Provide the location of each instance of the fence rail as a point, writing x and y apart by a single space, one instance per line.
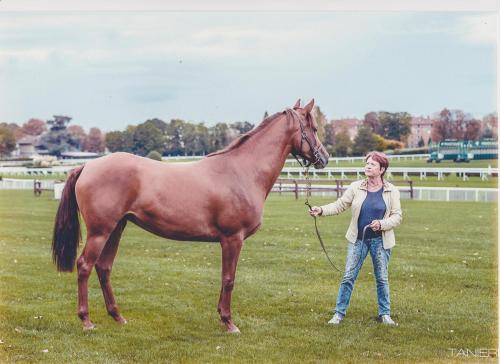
299 188
404 172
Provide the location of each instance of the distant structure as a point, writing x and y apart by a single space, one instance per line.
351 124
420 128
28 147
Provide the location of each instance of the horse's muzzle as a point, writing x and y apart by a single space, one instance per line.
321 159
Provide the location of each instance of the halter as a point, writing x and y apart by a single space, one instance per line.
303 136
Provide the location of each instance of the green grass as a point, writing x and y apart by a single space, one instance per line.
442 275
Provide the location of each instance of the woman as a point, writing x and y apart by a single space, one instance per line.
375 205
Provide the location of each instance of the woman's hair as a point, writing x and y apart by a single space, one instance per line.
380 158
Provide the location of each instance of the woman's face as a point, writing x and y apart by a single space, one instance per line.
372 168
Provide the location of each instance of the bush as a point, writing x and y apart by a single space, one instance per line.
411 151
154 155
394 144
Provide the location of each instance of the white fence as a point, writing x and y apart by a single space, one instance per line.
441 173
24 184
399 157
297 172
58 171
419 193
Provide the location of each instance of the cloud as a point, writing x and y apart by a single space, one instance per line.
98 39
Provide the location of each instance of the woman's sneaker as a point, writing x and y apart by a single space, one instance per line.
335 320
387 320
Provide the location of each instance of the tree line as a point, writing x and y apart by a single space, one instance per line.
378 131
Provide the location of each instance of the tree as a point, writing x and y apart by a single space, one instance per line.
396 126
78 133
472 130
380 142
94 142
343 143
58 139
160 124
321 121
218 136
148 137
7 140
490 126
364 141
195 139
16 129
175 137
242 126
34 127
121 141
455 124
372 121
329 137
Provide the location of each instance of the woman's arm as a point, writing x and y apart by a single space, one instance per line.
396 214
342 204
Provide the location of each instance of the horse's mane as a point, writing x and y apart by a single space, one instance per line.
244 137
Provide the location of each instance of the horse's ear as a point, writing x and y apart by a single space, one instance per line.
297 104
308 108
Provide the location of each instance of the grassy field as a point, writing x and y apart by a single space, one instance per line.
443 278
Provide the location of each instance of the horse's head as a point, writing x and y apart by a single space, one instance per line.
305 141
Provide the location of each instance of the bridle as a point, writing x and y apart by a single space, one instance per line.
315 149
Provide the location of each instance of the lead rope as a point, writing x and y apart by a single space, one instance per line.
308 192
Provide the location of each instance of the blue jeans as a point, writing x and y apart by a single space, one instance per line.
356 254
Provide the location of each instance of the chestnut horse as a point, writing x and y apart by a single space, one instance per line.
217 199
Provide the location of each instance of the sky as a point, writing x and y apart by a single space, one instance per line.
110 68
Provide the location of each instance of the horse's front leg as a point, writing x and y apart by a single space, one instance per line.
231 247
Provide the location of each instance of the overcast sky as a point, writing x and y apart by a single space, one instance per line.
110 69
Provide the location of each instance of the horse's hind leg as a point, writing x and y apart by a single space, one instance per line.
103 268
96 240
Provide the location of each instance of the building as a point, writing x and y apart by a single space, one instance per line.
421 127
352 125
26 146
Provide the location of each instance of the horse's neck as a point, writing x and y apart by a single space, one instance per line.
264 156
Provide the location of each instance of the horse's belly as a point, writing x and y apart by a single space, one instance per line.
176 230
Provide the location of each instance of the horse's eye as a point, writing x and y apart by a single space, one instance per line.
315 130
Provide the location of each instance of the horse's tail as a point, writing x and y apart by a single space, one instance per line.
67 234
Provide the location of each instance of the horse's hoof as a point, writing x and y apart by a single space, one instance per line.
88 326
121 320
233 330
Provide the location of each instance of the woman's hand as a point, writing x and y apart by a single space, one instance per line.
375 225
315 211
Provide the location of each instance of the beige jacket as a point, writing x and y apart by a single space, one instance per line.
354 197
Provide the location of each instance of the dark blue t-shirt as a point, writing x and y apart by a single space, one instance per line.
373 208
